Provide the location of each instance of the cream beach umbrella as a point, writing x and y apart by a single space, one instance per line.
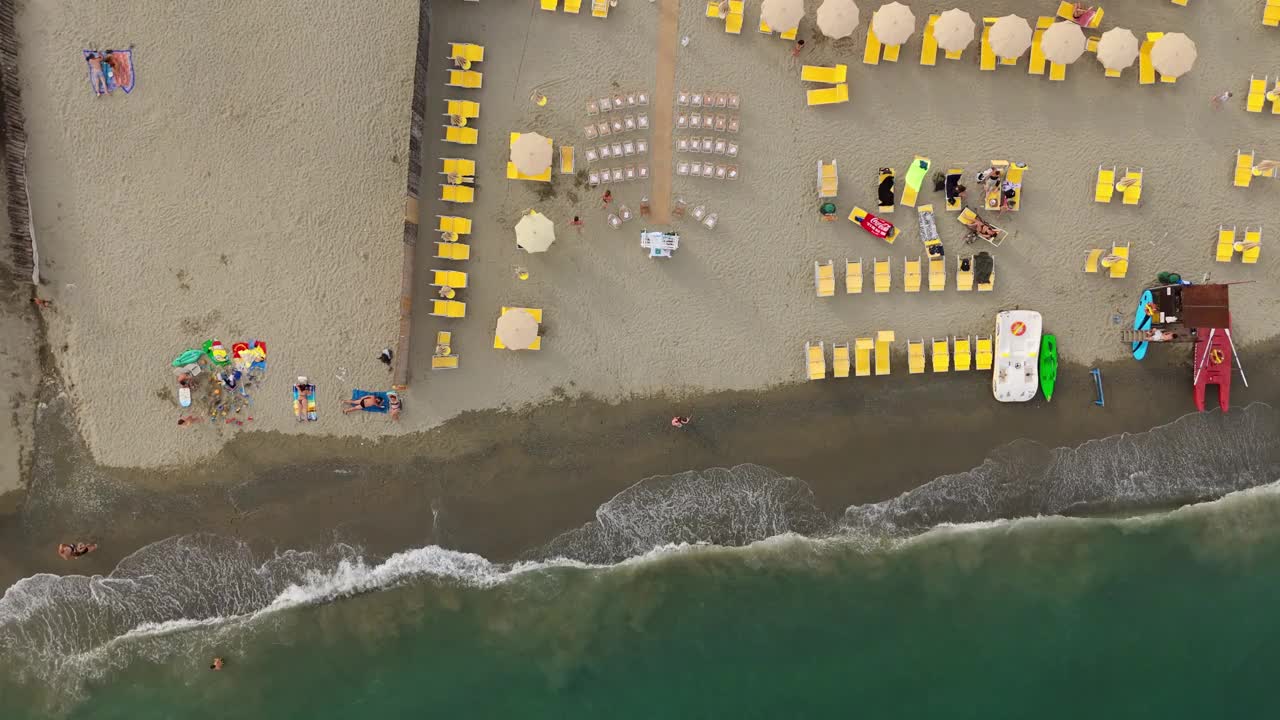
893 23
1117 49
517 329
782 15
535 232
1062 43
838 18
1010 36
1173 54
954 30
531 154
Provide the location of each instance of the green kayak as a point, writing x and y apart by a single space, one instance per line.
1048 364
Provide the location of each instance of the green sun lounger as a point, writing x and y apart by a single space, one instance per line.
915 178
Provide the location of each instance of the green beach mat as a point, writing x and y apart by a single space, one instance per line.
915 175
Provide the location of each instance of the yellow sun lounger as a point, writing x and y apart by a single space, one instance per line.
1226 244
940 357
1251 248
461 135
550 5
454 225
462 108
1274 96
929 43
828 95
884 342
990 284
514 174
1066 11
1036 63
964 278
937 274
1271 14
982 358
828 179
566 159
862 356
1244 168
573 7
1057 72
915 356
891 52
1105 188
871 55
457 193
1091 260
840 360
853 276
824 278
600 8
988 56
963 353
1146 71
453 251
461 167
1117 263
911 278
444 358
1257 94
1131 186
881 274
733 23
455 279
465 79
448 308
824 74
816 360
466 51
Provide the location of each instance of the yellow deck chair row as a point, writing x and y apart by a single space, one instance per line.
824 278
1257 98
963 353
1036 63
1130 186
570 6
815 360
464 169
915 357
461 135
840 360
457 193
732 19
830 75
469 52
455 279
1066 11
929 43
453 225
469 79
853 276
444 358
964 278
1247 169
1105 187
828 179
884 343
911 276
829 95
462 108
453 251
1271 13
449 308
881 274
983 354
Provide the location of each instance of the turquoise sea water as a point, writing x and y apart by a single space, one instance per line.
1171 614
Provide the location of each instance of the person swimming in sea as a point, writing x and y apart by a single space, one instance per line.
69 551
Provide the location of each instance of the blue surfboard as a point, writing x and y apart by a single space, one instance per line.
1142 321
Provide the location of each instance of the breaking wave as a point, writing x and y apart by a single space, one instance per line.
184 596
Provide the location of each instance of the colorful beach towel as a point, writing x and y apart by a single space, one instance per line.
386 402
118 71
309 412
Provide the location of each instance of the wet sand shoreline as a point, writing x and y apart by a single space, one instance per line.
499 483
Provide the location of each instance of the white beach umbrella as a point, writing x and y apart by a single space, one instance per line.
893 23
535 232
838 18
1010 36
1117 49
531 153
782 15
954 30
1173 54
1062 43
517 329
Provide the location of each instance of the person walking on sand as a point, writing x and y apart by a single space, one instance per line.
607 198
795 51
577 223
1217 101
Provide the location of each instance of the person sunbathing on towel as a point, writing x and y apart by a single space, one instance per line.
395 406
96 78
365 403
1082 14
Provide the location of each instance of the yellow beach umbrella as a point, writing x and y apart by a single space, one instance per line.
531 153
782 15
1010 36
954 30
517 329
838 18
1117 49
535 232
893 23
1173 54
1063 43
